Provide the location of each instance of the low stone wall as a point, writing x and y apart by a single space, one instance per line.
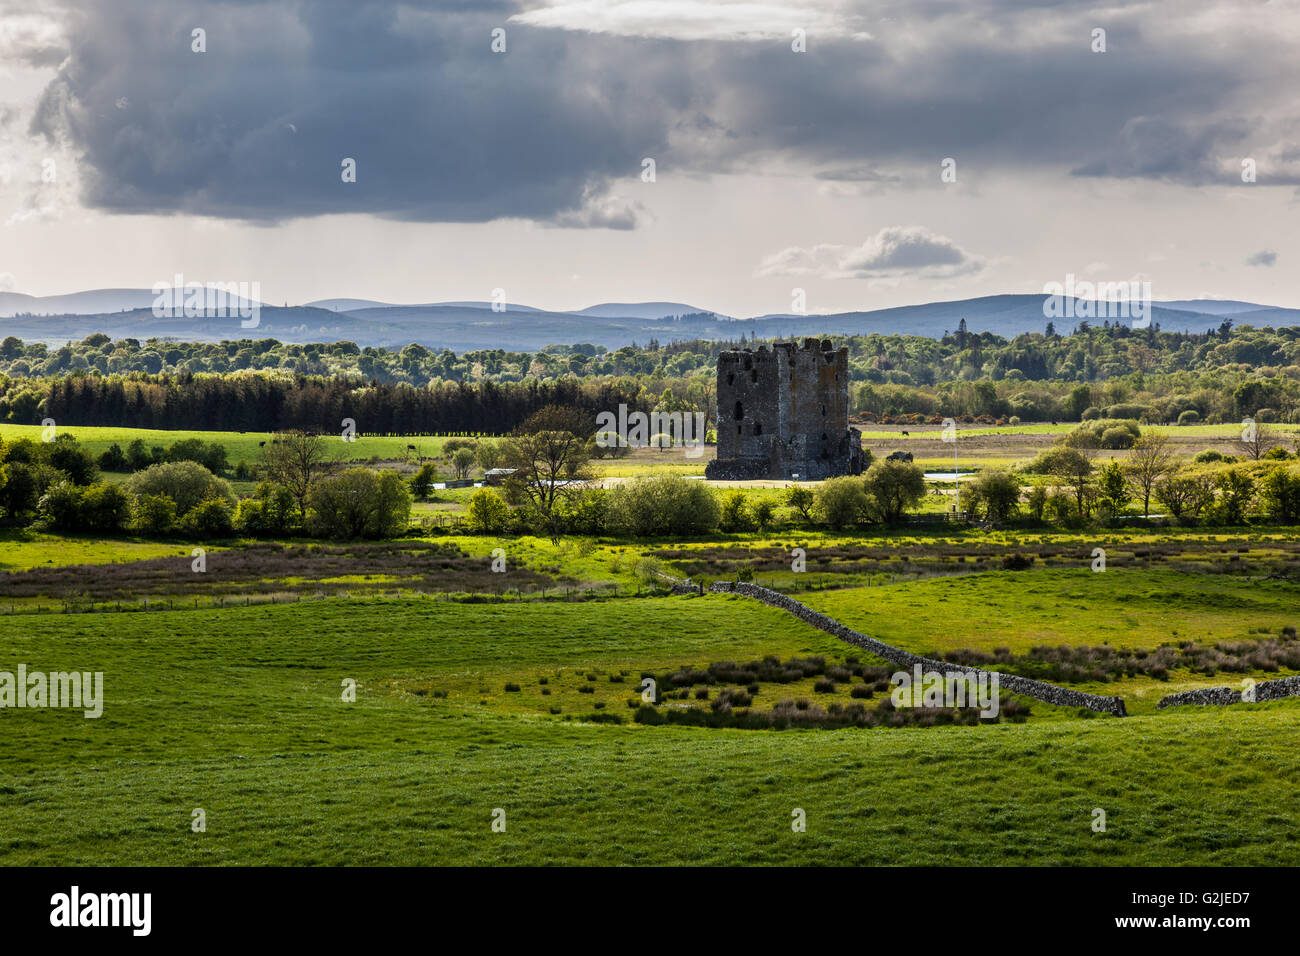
1222 696
679 586
1039 690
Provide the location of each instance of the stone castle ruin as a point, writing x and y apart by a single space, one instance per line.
785 414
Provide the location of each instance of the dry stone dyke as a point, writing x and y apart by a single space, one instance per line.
1222 696
1039 690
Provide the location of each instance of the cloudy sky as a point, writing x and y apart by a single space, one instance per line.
870 153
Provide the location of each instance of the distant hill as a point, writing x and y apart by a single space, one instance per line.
641 310
347 305
357 305
94 302
473 325
1213 306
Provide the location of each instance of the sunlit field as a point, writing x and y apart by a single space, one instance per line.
532 702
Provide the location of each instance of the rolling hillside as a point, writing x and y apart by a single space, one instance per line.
473 325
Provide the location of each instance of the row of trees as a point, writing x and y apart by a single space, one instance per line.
281 403
1086 353
1221 375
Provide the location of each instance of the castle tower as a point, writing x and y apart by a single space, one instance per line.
785 414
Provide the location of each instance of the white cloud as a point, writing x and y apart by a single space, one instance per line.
696 19
31 37
894 251
602 212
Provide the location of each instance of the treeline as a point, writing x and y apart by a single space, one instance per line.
1085 353
265 403
1221 374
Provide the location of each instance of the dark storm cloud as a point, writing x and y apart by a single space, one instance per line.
444 129
257 126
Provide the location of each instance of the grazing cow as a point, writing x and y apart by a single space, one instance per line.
908 434
410 448
261 444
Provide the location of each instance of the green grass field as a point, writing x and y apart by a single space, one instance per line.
240 446
239 712
22 550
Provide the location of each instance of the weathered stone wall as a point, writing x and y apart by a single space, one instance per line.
785 412
1222 696
1039 690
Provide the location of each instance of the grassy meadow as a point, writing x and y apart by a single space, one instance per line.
478 690
465 708
240 446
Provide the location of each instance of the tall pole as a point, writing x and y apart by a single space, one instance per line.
956 476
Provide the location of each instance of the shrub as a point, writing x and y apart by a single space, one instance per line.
187 483
152 514
487 512
359 503
1117 438
801 500
211 518
139 457
661 505
269 514
840 502
211 455
70 458
1189 417
105 507
735 512
60 507
893 487
1128 410
997 492
114 459
422 481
